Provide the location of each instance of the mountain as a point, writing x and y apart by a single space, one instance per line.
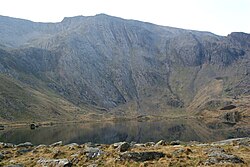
108 65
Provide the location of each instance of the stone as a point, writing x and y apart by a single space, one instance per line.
26 144
1 127
182 150
16 165
161 143
124 147
218 155
177 142
55 162
72 145
116 145
56 144
91 152
92 165
8 145
40 146
139 145
23 151
1 156
149 144
33 126
141 156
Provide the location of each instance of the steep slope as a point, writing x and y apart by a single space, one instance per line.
124 66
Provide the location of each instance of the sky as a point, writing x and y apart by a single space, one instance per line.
218 16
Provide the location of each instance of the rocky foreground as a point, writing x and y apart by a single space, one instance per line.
233 152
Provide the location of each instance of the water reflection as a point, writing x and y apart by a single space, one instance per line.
110 132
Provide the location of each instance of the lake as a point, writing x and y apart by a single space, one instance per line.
111 132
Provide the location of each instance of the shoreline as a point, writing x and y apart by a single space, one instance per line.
143 118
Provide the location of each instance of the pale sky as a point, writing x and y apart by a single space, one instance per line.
218 16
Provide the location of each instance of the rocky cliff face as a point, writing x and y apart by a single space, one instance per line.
124 66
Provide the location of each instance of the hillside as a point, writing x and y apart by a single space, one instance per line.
104 64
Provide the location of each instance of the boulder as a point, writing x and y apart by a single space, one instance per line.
141 156
91 152
8 145
124 147
16 165
177 142
54 162
149 144
218 155
56 144
26 144
161 143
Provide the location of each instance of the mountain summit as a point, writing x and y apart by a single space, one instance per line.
106 64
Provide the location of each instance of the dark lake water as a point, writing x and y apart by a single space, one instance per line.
111 132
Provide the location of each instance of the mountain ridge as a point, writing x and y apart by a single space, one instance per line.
121 66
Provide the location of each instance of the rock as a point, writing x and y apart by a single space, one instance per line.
8 145
89 144
1 156
228 107
214 149
116 145
72 146
231 117
33 126
149 144
55 162
1 127
218 155
26 144
23 151
232 141
139 145
132 143
16 165
182 150
161 143
40 146
92 165
56 153
141 156
124 146
177 142
92 152
56 144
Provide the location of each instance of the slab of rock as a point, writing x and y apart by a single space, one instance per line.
56 144
8 145
177 142
91 152
16 165
54 162
40 146
218 155
26 144
161 143
141 156
139 145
